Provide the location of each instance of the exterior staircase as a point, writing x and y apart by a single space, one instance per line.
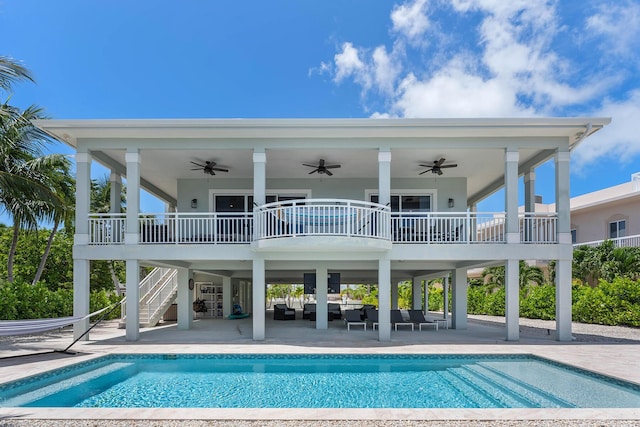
158 290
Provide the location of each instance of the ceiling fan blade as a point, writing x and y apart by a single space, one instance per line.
423 172
439 172
439 162
196 169
328 172
311 166
197 164
219 169
449 166
314 171
332 166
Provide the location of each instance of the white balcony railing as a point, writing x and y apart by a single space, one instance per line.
106 228
618 242
185 228
439 227
322 217
538 227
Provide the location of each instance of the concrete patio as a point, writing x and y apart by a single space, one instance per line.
607 350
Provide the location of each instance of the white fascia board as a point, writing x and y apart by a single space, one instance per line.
71 130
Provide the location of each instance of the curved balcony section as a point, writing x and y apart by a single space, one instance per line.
321 225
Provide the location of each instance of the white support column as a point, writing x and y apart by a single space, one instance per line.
529 201
322 310
81 296
445 296
394 295
83 198
530 191
259 294
185 299
115 195
562 197
227 297
426 295
563 300
416 293
132 235
133 300
384 298
511 158
384 176
459 315
563 266
512 299
259 177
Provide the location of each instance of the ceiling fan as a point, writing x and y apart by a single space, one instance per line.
437 167
321 168
208 167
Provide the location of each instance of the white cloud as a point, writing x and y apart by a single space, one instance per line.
348 64
385 70
455 92
617 140
410 19
619 24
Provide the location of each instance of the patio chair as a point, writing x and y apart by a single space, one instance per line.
417 317
398 320
352 317
307 310
372 317
363 310
334 311
282 312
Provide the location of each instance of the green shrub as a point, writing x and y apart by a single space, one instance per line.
538 302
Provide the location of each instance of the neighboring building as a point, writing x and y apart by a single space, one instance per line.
612 213
392 211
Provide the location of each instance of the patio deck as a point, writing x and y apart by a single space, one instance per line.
610 354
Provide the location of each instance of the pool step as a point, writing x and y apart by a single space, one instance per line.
475 399
57 394
535 395
504 396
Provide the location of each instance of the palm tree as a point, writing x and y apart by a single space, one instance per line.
530 274
12 72
63 185
25 193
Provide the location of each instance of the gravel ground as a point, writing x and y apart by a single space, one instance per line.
343 423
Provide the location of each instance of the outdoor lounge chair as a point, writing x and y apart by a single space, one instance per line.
352 317
372 317
398 320
307 310
282 312
334 311
417 317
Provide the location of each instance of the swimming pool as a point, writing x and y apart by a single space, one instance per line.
320 381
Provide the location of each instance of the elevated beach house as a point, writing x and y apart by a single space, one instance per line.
258 201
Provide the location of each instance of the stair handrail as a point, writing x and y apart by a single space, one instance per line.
162 294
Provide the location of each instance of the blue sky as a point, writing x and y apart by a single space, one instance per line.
331 58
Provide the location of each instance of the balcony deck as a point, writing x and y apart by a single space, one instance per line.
342 222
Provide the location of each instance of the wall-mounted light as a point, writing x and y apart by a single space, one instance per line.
451 204
194 203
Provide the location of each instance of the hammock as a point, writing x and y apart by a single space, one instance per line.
34 326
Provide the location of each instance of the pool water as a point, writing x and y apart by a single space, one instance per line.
320 381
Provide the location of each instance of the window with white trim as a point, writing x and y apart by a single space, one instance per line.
617 229
408 203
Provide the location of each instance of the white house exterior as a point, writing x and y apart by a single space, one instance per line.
377 219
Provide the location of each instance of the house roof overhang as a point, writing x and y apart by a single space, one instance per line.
476 144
